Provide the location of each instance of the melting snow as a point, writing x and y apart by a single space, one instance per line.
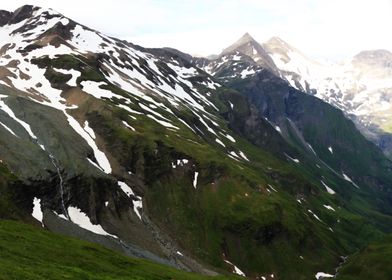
231 138
99 155
311 148
247 72
75 75
329 207
138 203
195 179
64 21
330 149
243 156
236 269
220 142
293 159
163 123
89 130
321 275
37 210
349 180
81 219
10 113
8 129
94 89
272 188
128 126
314 215
329 190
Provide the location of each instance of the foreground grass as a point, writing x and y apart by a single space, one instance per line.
30 253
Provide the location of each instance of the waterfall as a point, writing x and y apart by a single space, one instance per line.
52 158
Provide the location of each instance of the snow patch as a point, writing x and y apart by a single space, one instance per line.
81 219
329 190
8 129
314 215
236 270
272 188
349 180
128 126
195 179
322 275
220 142
138 203
231 138
99 155
329 207
64 21
4 107
293 159
94 89
37 210
243 155
163 123
75 75
89 130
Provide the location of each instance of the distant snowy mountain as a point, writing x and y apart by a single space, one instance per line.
360 86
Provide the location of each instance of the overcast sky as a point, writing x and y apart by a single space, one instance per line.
328 29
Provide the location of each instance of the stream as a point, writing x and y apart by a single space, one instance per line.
61 184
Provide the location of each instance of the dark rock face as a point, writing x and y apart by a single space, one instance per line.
5 17
22 13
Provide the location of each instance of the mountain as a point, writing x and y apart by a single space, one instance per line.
246 49
214 166
360 86
246 45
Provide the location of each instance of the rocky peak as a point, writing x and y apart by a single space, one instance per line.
276 45
5 16
246 39
22 13
380 58
248 46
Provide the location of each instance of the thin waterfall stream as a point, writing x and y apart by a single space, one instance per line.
61 184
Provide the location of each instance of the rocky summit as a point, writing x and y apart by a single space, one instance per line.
124 162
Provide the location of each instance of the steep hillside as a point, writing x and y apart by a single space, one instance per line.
143 152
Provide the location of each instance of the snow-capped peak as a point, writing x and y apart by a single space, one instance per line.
249 47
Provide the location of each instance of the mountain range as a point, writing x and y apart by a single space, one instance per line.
256 163
360 86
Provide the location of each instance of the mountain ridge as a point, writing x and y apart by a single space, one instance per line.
359 86
143 152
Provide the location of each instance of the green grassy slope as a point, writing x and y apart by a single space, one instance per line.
246 211
30 253
372 262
